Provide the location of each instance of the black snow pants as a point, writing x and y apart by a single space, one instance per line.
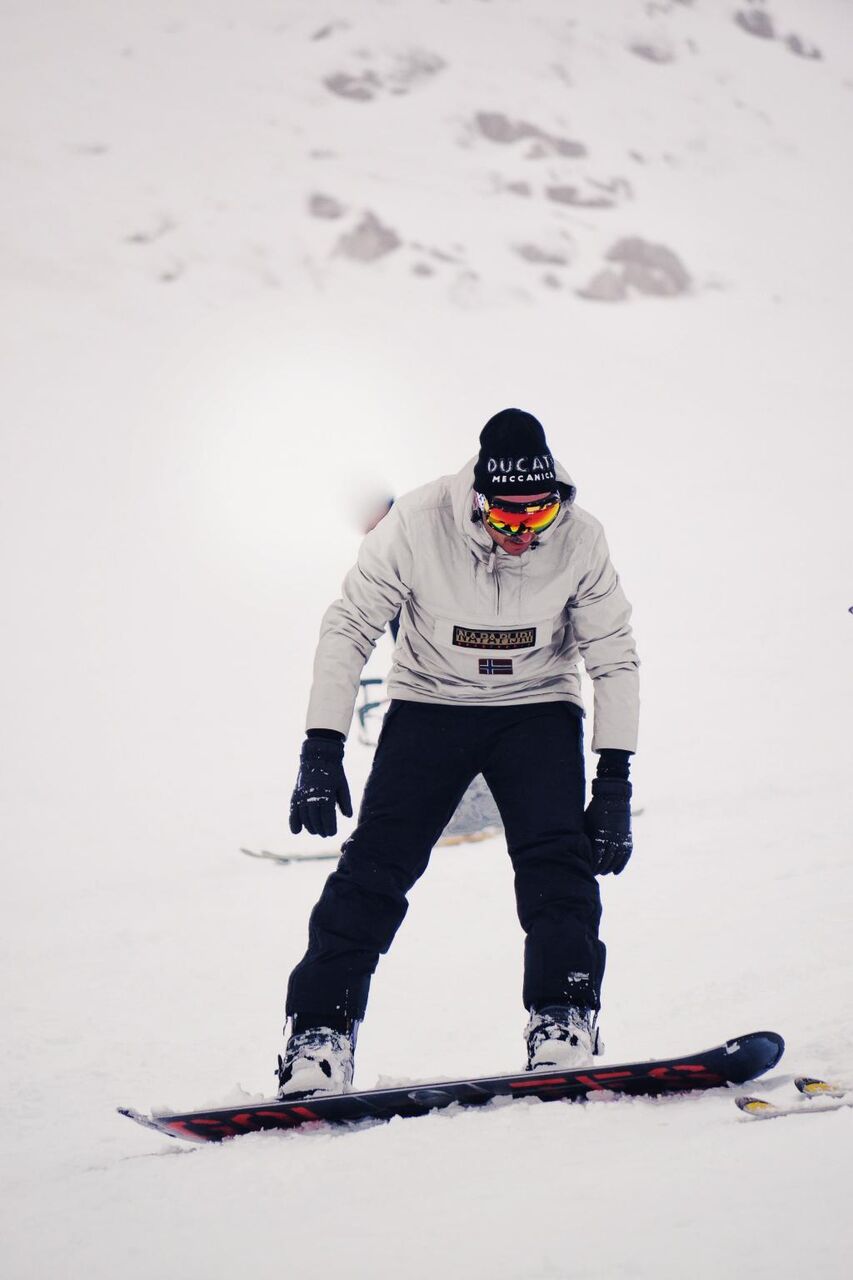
532 759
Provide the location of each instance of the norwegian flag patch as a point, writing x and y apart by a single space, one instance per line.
495 666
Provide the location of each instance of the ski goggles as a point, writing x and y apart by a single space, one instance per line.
519 517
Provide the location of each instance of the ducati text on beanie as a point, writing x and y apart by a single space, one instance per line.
514 455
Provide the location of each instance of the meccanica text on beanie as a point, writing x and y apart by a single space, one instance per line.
514 456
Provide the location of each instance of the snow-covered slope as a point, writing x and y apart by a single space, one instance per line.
480 151
258 259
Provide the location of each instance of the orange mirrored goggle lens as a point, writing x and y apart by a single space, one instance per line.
532 518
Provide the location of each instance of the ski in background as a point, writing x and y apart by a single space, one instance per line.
370 709
734 1062
476 817
330 855
816 1095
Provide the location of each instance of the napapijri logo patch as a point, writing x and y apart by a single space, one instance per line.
476 638
495 666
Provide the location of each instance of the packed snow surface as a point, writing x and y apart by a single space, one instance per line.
260 262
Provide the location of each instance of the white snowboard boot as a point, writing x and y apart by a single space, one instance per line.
562 1038
317 1060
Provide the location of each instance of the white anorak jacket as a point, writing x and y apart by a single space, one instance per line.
479 627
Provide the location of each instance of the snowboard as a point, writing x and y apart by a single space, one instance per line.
734 1062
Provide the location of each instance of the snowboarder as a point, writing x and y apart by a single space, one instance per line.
503 585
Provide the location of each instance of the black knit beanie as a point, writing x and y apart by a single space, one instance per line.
514 456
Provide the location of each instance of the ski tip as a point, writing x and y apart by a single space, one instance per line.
756 1106
814 1087
132 1114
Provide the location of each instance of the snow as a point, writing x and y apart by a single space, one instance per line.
199 373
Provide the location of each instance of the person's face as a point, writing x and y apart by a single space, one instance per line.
516 544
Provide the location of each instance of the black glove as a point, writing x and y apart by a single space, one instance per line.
321 781
607 822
